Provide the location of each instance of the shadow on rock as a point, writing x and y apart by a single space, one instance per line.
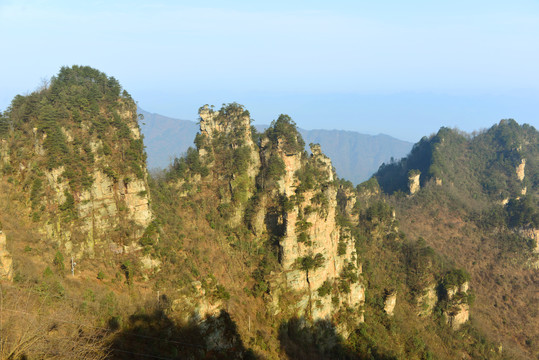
157 336
301 340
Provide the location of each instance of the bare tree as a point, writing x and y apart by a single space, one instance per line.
30 327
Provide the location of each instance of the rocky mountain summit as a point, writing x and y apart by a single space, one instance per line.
73 150
354 155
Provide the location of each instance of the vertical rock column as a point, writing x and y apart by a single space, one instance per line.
6 262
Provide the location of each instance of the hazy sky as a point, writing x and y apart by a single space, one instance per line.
404 68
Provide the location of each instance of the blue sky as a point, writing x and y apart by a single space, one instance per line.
394 67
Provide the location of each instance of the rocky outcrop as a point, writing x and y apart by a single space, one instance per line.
225 140
197 303
413 182
233 121
520 170
295 200
458 315
314 250
6 261
292 163
457 310
427 300
347 200
389 302
323 162
85 169
99 210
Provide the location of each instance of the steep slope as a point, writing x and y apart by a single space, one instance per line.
74 201
253 248
325 260
478 203
74 153
287 198
355 156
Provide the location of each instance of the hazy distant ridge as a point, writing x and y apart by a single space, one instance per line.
355 156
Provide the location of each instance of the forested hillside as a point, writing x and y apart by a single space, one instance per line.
249 246
477 201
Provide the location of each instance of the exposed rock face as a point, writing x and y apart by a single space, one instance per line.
323 161
313 249
197 305
6 262
451 292
297 204
233 121
228 131
94 191
102 208
413 183
213 123
292 163
389 302
311 231
458 315
347 201
520 169
454 290
427 300
457 312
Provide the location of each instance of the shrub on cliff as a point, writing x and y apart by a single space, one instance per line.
284 129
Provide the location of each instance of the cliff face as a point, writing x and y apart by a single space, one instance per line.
251 223
84 177
6 261
312 235
289 197
226 146
413 183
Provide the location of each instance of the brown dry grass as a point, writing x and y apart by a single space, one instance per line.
31 328
507 304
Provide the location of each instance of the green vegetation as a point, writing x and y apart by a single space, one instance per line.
77 97
454 278
310 262
220 221
325 289
370 185
58 261
284 129
310 176
62 136
523 213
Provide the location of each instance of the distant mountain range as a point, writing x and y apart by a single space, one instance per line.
355 156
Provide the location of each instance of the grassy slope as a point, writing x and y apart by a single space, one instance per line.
506 305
